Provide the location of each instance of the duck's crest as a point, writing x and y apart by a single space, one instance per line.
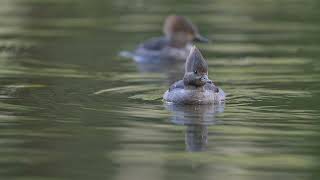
174 24
196 62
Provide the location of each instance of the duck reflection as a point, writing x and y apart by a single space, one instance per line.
196 118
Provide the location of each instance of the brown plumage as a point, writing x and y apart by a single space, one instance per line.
196 62
175 23
196 69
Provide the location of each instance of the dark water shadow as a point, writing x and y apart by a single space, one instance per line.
197 119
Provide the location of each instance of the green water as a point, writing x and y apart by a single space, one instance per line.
71 108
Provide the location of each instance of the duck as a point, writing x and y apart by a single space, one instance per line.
195 87
179 34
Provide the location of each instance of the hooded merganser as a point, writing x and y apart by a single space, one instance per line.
179 33
195 88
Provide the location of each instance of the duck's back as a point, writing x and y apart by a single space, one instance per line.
154 44
159 49
150 50
209 94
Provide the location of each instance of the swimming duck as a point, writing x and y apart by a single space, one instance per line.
196 87
179 33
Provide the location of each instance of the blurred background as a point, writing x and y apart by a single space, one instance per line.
71 108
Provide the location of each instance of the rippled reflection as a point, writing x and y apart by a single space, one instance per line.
196 118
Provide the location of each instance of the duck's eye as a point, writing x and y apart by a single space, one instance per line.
196 72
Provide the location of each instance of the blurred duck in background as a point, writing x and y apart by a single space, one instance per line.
179 34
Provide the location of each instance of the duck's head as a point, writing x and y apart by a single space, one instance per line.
196 69
181 31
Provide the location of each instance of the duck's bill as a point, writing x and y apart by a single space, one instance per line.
201 39
205 79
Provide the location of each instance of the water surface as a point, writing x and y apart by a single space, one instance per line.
71 108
